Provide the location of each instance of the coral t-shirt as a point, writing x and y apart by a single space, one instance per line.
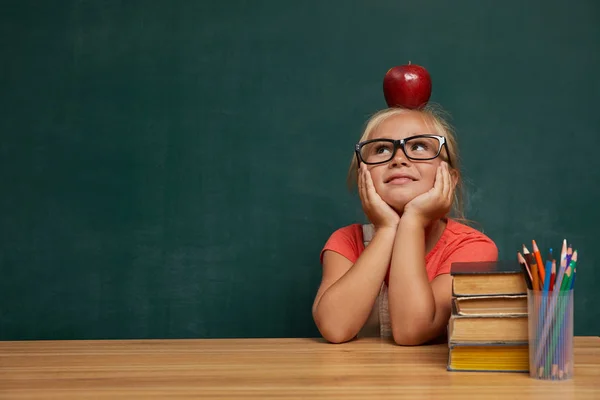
458 243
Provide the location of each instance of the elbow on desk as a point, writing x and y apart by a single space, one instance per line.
331 330
407 339
410 336
337 339
415 330
335 334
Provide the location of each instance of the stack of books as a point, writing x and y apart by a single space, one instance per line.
488 328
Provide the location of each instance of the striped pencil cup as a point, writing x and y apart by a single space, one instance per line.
550 319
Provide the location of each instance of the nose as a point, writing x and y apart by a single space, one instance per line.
399 158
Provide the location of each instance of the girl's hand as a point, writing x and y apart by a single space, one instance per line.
435 203
378 211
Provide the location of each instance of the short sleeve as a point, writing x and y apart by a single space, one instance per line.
473 248
346 241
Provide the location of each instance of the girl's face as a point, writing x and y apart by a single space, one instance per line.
400 180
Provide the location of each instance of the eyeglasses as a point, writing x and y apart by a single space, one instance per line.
419 148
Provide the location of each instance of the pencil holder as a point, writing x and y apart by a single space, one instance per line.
550 320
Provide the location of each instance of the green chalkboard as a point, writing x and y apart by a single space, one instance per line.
172 168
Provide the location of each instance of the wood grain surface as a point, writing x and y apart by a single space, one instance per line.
267 368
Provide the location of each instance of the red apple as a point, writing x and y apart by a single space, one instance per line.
407 86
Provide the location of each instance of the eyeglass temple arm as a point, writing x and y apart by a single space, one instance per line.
448 152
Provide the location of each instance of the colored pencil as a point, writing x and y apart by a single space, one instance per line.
563 250
547 277
553 275
535 277
569 254
540 263
526 267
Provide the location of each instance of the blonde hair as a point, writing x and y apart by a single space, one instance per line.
437 119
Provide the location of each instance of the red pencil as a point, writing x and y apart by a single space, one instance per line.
553 275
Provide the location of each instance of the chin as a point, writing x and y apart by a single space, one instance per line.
398 199
397 204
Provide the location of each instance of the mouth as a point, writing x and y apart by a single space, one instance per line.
400 179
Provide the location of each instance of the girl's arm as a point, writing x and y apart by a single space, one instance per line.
347 292
419 311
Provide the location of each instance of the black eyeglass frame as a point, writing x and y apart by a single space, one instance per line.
400 144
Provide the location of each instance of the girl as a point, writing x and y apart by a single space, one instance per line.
391 278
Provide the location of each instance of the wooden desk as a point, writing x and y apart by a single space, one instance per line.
267 368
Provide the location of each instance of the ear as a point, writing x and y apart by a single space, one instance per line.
454 175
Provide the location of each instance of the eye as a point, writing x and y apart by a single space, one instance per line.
419 146
383 149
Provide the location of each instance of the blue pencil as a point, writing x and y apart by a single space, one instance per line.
573 278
